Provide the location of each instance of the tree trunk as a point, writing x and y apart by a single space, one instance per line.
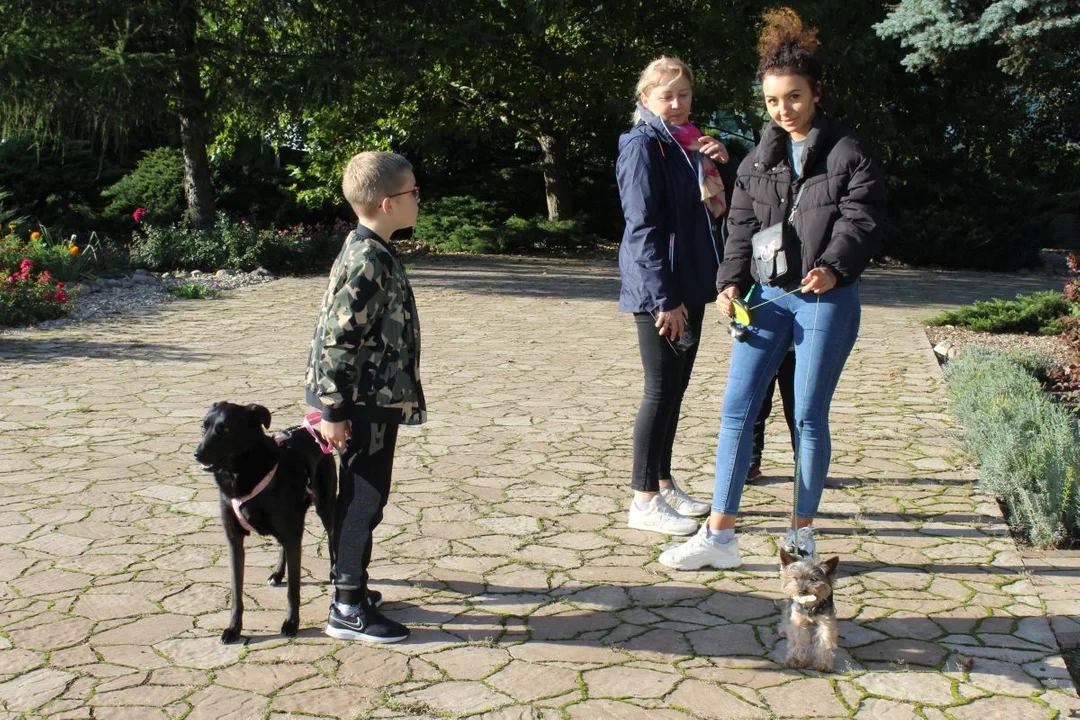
556 186
194 133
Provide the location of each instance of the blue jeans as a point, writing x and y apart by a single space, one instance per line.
823 328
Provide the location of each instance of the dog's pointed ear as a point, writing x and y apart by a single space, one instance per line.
831 563
786 558
260 415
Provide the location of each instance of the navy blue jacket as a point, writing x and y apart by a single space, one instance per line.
668 256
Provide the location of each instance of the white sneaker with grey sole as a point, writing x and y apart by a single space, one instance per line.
699 552
682 503
660 517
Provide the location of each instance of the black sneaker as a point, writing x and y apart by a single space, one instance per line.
367 623
374 598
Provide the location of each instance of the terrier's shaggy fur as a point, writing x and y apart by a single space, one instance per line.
809 621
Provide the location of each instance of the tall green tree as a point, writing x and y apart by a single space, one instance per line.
77 67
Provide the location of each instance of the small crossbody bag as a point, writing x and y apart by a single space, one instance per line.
777 249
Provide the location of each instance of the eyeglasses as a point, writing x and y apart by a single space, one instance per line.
415 192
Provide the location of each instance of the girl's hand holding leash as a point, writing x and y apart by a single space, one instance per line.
723 300
672 323
819 280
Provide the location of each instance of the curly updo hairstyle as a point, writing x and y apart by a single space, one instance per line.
787 47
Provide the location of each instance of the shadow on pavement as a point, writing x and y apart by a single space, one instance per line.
34 350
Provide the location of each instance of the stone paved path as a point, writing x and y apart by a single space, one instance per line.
505 546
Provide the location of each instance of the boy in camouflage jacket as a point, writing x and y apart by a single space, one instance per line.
363 374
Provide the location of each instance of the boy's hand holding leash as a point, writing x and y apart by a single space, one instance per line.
335 433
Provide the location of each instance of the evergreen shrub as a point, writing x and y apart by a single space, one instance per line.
1039 312
1027 446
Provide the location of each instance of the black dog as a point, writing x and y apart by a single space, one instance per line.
285 474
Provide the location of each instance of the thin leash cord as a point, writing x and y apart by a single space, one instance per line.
789 292
798 436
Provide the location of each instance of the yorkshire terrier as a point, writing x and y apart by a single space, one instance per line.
809 622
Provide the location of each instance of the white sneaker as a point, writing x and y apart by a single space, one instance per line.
801 542
683 503
658 516
699 552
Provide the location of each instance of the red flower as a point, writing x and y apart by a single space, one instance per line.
139 214
48 296
60 296
59 286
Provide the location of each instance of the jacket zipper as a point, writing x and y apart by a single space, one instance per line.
708 220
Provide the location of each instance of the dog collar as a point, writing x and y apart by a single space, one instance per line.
237 502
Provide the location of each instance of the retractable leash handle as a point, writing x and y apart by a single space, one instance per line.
742 312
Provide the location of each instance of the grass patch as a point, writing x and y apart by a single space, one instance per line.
1039 313
191 290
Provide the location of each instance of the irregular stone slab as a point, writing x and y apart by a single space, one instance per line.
13 661
456 697
261 679
914 652
614 710
1002 678
205 652
812 697
327 701
58 633
929 688
707 700
620 682
527 682
469 663
113 606
34 689
878 709
726 640
218 703
372 667
136 656
145 631
1000 707
151 695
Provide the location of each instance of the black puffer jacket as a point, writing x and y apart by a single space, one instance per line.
840 215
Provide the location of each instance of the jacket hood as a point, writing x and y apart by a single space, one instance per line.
650 125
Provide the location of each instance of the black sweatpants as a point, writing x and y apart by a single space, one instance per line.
364 473
785 377
666 376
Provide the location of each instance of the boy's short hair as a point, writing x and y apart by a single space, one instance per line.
371 176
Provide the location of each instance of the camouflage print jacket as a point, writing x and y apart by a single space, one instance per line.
364 363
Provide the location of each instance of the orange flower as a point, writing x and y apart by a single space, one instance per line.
73 249
35 235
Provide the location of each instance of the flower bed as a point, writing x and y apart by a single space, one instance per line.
28 296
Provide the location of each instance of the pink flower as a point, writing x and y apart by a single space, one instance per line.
139 214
